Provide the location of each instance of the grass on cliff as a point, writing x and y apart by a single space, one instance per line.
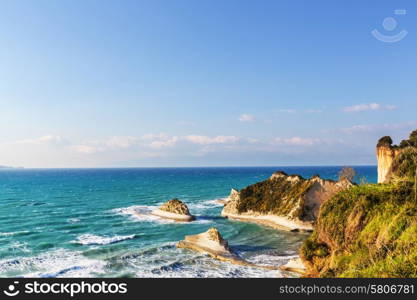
279 196
404 165
367 231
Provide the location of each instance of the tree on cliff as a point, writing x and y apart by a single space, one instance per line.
385 141
412 141
347 173
413 135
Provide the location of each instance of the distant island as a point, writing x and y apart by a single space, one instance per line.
9 167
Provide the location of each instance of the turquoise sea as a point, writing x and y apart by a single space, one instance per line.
80 222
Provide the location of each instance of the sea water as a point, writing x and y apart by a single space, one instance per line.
81 222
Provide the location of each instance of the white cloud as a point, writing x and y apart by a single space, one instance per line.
314 111
120 150
46 139
153 136
112 143
368 107
246 118
378 127
159 141
286 110
163 143
206 140
85 149
296 141
121 141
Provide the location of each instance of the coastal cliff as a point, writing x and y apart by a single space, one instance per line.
370 230
388 154
385 154
283 201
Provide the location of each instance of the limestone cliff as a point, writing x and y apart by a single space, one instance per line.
385 154
389 156
283 201
234 194
370 230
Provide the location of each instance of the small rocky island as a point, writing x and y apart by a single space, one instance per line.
212 243
174 209
287 202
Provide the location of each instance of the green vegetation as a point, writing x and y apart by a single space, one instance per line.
370 230
405 164
366 231
412 141
278 196
385 141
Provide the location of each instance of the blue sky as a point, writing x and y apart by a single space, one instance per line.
203 83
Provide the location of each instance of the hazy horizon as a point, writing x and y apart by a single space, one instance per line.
185 167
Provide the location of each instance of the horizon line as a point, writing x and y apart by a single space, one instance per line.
188 167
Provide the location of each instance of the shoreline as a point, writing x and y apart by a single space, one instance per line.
277 222
294 266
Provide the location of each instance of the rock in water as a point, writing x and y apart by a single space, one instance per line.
283 201
211 242
174 209
175 206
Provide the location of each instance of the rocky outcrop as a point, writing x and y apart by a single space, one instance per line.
283 201
212 243
174 209
396 160
294 265
370 230
233 195
386 155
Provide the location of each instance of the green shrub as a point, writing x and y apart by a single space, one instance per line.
278 196
405 164
369 230
385 141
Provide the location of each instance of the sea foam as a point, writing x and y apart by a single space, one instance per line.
141 213
166 261
57 263
91 239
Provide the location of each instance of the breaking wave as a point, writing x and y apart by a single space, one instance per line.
58 263
91 239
